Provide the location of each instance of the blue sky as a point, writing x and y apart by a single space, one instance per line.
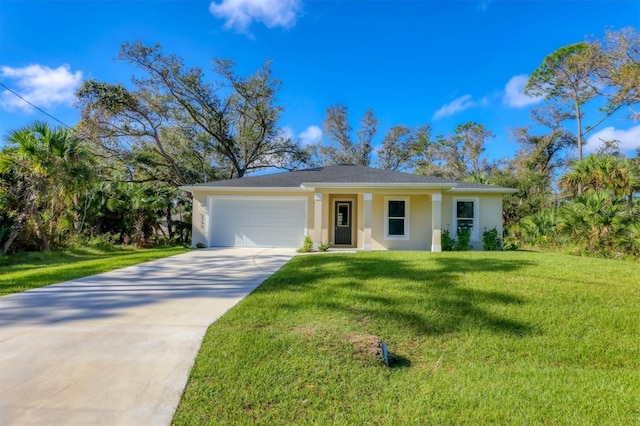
417 62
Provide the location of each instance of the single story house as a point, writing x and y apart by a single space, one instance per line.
345 205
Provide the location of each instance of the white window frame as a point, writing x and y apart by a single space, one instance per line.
475 235
407 219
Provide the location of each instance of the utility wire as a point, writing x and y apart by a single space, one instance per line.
35 106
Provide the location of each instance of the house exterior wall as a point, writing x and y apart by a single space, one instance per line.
419 223
360 217
489 209
420 214
199 219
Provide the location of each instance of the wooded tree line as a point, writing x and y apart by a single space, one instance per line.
114 177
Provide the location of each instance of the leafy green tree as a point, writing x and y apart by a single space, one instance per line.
458 155
620 74
569 76
341 148
603 173
548 153
534 192
11 199
403 147
477 178
49 165
184 128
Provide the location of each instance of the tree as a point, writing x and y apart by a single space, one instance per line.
182 127
548 153
569 76
368 128
603 173
48 164
458 155
403 147
341 148
533 196
620 74
467 145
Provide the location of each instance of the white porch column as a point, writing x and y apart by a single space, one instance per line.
436 222
317 219
368 201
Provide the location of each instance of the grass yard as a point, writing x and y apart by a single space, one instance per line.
30 270
481 338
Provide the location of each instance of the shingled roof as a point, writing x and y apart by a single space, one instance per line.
343 175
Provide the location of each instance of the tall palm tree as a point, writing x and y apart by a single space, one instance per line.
50 162
603 172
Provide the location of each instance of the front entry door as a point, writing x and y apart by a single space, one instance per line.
343 222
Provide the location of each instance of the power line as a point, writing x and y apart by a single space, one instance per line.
35 106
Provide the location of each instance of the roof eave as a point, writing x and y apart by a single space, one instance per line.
313 185
310 186
485 190
191 188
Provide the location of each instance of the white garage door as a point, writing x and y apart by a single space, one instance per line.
257 222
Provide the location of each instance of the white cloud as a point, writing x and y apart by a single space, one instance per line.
629 139
240 14
312 135
514 95
40 85
457 105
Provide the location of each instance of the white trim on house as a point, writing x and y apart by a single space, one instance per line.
407 218
256 234
475 235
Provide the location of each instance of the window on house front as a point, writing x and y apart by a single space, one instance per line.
397 218
465 212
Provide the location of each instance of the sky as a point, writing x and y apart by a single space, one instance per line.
442 63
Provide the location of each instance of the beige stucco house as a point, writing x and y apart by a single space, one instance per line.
348 206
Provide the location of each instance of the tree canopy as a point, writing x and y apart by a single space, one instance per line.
185 127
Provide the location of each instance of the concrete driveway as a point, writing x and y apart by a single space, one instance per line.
117 348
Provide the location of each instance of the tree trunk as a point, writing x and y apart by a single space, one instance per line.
138 225
580 138
17 227
40 231
169 223
76 212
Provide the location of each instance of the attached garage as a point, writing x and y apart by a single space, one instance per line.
236 221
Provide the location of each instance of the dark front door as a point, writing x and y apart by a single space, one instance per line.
343 222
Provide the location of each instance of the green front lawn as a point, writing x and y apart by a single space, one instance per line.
30 270
481 338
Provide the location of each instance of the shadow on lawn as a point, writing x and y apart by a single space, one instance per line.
429 296
33 260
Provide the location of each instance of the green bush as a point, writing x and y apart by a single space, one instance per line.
324 246
491 240
200 245
448 243
307 245
464 240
